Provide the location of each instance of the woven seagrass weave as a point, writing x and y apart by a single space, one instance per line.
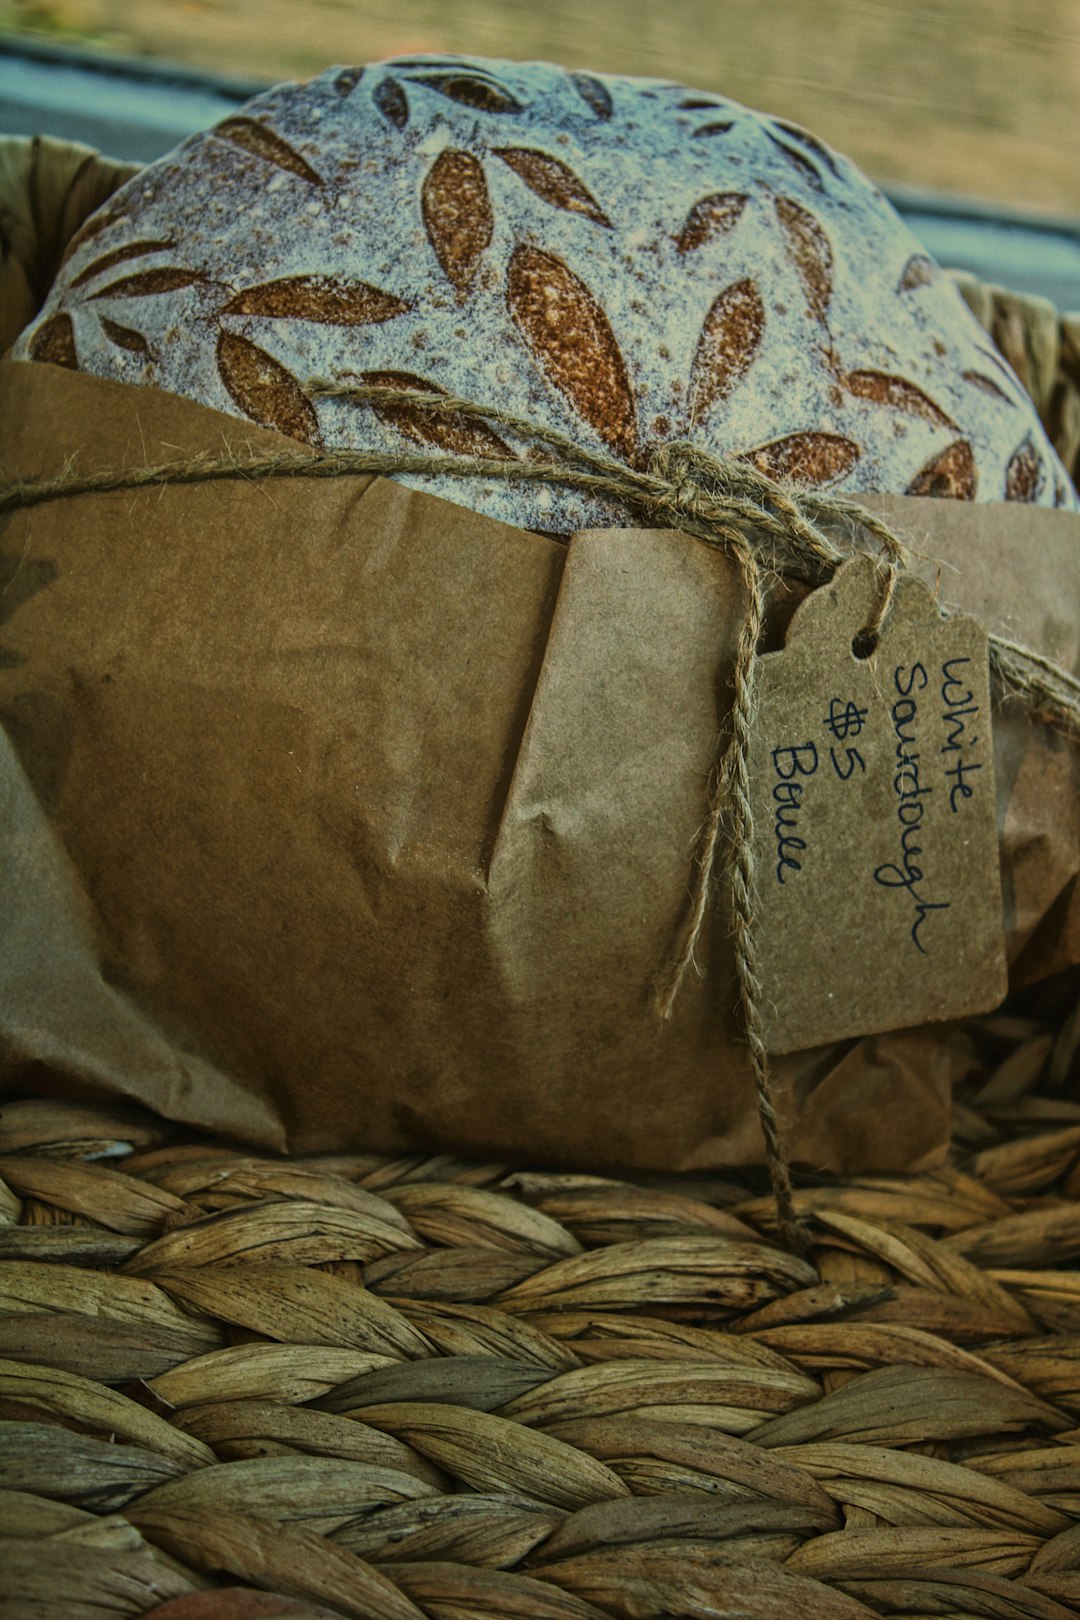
421 1387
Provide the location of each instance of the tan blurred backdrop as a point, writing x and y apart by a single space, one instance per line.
979 97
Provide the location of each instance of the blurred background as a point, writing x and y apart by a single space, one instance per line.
968 110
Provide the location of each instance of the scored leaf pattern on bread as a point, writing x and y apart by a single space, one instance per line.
347 80
55 342
810 251
553 181
499 231
1024 474
152 283
978 380
261 141
950 475
453 433
111 214
920 271
125 337
729 341
392 102
1006 372
457 214
565 327
806 167
595 95
711 218
803 137
471 90
897 393
814 459
120 255
264 389
326 299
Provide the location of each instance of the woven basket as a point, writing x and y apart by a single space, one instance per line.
242 1386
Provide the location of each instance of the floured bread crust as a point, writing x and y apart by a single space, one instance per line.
626 261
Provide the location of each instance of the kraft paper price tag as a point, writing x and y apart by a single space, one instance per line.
878 891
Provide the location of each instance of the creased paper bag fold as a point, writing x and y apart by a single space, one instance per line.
340 816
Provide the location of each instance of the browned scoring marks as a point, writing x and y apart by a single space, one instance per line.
552 181
699 104
720 127
125 337
878 388
120 255
594 94
920 271
453 433
264 390
809 250
806 458
987 384
1024 474
152 283
482 94
93 227
431 64
711 217
1002 365
347 80
811 142
326 299
569 334
392 102
799 160
261 141
730 338
55 343
457 214
950 475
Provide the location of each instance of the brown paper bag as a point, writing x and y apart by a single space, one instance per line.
333 815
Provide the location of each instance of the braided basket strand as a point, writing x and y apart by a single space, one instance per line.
421 1387
47 189
1043 349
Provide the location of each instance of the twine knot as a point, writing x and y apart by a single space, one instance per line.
692 480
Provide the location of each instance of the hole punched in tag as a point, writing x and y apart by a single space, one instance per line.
864 643
877 880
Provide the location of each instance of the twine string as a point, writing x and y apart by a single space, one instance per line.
772 532
689 472
870 634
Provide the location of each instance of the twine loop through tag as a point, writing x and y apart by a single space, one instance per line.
771 530
697 481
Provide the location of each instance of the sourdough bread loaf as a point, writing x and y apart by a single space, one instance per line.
626 261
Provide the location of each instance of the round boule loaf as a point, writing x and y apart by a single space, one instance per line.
625 261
